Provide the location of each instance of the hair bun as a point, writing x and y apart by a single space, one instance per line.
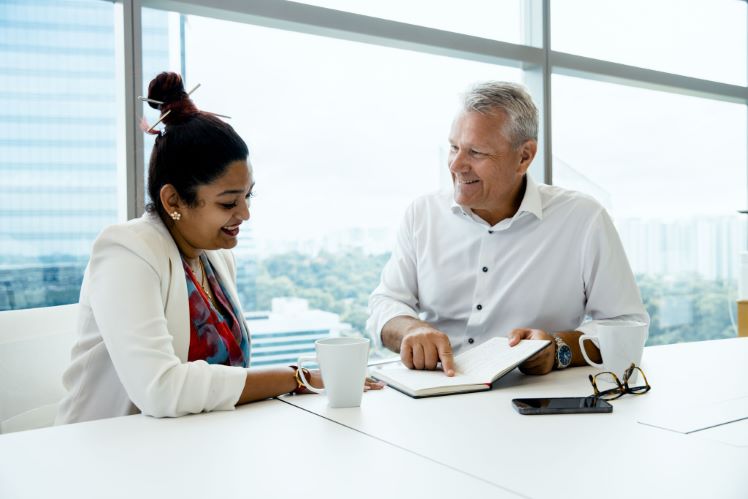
168 88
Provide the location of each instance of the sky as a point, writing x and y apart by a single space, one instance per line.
345 134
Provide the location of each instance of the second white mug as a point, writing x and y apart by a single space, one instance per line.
620 343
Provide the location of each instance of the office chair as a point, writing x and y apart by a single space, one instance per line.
34 351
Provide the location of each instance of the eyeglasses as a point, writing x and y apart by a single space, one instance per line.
621 388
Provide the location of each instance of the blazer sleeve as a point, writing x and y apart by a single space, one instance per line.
125 293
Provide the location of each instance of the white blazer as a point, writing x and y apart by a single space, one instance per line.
134 332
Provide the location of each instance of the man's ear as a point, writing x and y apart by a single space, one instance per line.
169 198
528 150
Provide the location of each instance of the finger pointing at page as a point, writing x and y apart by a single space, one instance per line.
423 347
447 358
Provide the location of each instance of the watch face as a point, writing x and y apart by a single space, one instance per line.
564 355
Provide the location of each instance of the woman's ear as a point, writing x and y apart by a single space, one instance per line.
169 198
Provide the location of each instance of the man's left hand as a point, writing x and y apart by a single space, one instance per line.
543 361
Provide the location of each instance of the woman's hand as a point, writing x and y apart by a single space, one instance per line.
372 384
315 379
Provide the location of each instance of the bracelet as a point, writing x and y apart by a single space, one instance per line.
300 386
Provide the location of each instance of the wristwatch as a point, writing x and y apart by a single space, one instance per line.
563 353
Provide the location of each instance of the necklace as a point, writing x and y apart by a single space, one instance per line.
206 286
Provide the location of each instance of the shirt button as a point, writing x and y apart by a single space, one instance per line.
490 232
479 307
471 341
485 269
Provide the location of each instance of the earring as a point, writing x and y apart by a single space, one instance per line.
175 215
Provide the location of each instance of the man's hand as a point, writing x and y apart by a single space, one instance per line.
543 361
423 347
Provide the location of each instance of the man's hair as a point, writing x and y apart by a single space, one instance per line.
511 98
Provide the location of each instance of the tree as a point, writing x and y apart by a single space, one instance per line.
334 282
685 307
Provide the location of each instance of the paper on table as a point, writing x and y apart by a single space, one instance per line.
694 418
735 433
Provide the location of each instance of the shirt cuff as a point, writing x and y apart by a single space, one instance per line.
385 313
588 328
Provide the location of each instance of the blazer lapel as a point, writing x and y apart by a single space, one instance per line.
177 308
174 293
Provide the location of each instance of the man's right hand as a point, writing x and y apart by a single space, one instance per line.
423 347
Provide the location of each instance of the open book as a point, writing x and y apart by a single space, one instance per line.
475 369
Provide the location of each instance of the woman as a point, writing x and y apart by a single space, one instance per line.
161 328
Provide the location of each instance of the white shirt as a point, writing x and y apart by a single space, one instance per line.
134 332
557 265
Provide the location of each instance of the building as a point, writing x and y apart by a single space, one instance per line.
289 330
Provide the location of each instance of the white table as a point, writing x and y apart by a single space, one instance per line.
263 450
461 446
591 455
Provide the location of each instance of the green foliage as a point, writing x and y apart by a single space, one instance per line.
339 283
687 308
683 308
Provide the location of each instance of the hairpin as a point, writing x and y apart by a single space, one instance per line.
154 101
214 114
161 118
150 130
146 99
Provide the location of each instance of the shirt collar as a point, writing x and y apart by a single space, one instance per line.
531 202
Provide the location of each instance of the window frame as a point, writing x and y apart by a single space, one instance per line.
539 63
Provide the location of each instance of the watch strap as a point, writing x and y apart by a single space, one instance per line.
559 345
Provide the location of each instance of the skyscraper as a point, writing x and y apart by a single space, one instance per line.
58 141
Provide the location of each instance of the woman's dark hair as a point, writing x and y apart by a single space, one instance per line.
195 148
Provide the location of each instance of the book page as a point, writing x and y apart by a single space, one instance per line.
492 358
480 365
419 380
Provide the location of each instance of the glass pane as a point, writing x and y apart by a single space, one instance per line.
506 21
705 39
342 136
57 145
162 50
671 170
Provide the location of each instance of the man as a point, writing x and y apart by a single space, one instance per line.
502 255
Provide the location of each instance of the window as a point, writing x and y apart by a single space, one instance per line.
343 136
162 50
703 39
505 21
59 126
671 171
57 144
345 132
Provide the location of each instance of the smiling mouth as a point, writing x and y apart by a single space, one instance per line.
231 230
468 182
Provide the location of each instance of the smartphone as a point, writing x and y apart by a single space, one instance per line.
561 405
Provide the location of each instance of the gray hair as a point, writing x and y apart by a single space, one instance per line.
511 98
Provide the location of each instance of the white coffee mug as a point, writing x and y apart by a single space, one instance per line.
342 363
620 342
